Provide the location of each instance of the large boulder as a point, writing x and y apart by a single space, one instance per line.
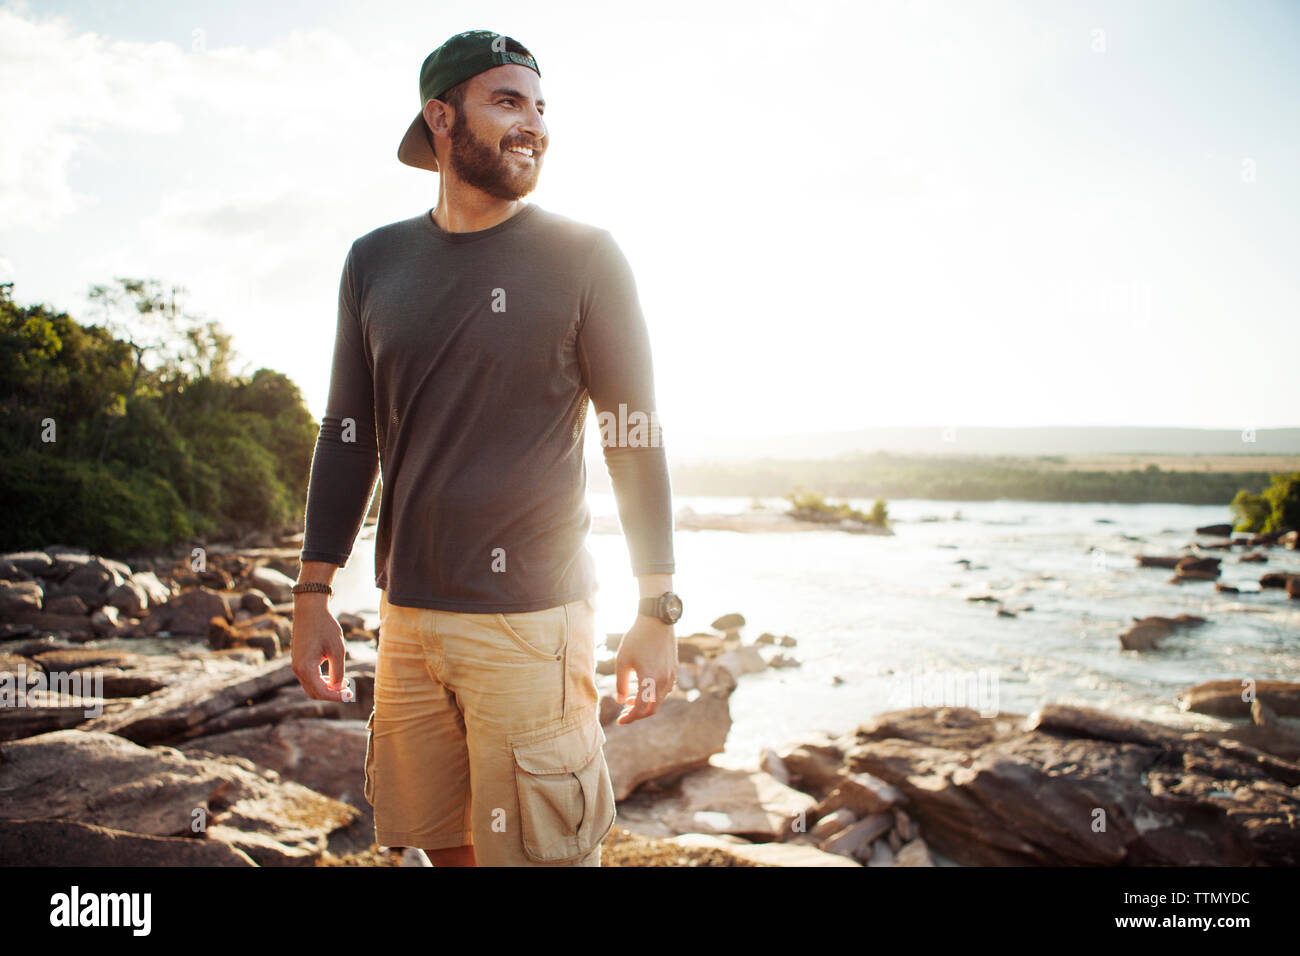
742 660
328 756
108 622
682 734
816 765
1193 568
1215 530
729 622
74 627
856 840
188 613
93 581
274 584
30 562
1144 636
1158 560
68 843
130 598
18 596
1146 633
861 794
155 591
66 604
108 781
1073 786
1266 732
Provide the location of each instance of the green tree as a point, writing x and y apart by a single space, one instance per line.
879 514
155 438
1275 509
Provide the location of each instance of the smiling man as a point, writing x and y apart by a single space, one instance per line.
469 342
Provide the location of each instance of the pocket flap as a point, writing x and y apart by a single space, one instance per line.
566 750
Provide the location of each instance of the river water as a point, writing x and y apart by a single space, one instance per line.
884 622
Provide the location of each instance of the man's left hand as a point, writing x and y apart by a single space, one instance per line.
650 649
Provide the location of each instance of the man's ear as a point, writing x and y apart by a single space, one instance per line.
438 117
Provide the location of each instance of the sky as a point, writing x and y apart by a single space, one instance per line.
840 215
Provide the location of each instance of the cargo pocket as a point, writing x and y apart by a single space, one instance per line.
566 799
369 789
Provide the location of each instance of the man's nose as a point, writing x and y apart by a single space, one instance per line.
535 126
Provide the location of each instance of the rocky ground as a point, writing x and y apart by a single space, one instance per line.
148 715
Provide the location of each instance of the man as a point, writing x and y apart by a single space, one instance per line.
469 341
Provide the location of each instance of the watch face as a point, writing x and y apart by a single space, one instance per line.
672 606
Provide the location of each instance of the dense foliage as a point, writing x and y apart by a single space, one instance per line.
119 442
810 506
1276 508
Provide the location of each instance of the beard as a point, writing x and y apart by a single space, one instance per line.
487 168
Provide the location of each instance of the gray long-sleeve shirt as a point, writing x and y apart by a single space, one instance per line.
463 363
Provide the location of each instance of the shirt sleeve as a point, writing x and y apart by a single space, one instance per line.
345 462
614 352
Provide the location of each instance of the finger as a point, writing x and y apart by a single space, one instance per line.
334 660
624 671
646 703
315 686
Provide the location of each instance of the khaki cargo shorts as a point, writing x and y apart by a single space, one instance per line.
486 732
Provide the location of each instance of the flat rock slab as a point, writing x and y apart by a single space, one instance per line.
72 660
1224 698
748 803
167 715
45 712
68 843
108 781
768 854
39 622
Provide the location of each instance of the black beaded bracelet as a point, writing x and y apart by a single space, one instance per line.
303 587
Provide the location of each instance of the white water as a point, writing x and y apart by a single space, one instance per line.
880 611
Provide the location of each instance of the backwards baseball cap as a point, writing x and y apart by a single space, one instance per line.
464 55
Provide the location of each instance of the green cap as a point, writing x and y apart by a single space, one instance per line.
464 55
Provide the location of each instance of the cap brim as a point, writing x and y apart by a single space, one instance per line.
415 149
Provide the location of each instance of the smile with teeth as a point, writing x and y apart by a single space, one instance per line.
521 150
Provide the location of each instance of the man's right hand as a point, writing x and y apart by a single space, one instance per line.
317 637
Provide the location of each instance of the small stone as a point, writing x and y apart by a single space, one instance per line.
729 622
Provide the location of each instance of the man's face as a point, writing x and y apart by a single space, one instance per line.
502 109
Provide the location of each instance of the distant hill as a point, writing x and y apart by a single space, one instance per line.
995 441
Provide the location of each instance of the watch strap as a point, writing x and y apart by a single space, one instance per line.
304 587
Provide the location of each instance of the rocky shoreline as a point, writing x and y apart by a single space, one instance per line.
150 717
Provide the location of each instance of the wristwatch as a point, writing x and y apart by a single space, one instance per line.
667 607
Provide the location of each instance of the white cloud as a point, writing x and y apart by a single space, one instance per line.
67 95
